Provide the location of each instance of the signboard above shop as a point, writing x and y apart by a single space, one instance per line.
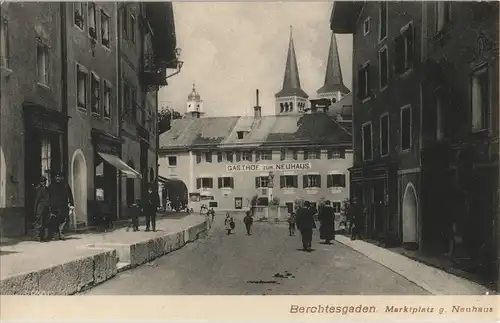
267 167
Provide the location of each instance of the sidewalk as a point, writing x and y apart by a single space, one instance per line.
433 280
86 259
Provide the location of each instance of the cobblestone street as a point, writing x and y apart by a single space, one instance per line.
248 265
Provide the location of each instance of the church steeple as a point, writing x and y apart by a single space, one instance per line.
291 98
194 104
334 84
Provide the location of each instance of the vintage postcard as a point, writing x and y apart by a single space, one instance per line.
334 160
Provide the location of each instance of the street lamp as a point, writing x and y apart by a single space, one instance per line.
178 63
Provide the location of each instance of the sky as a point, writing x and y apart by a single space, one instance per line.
230 49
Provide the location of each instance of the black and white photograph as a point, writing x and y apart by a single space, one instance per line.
249 148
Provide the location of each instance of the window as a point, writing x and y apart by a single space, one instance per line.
383 60
263 155
404 49
204 182
92 20
336 153
289 181
225 156
337 207
203 157
172 161
384 135
439 119
480 98
4 43
240 134
225 182
79 14
364 82
261 181
443 14
406 128
107 101
288 154
382 31
125 22
95 92
367 141
126 97
46 157
366 26
132 29
335 180
42 63
312 154
105 24
81 90
244 155
207 157
310 181
133 104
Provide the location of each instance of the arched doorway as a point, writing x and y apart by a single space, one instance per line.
175 191
410 217
3 172
130 187
79 187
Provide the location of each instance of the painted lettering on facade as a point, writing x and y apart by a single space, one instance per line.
267 167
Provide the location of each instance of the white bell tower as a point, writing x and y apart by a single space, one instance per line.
194 104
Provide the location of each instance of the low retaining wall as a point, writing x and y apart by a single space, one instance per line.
76 275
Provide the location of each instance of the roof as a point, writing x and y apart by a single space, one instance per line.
291 81
266 131
333 76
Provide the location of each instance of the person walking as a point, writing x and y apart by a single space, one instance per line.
151 203
327 223
41 210
60 201
229 223
306 224
292 219
248 220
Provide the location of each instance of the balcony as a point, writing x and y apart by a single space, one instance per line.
161 17
152 74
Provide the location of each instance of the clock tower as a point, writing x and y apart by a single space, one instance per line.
194 104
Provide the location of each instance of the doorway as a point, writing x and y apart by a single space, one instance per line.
79 188
410 216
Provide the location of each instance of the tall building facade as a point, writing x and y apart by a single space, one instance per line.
425 125
385 176
63 97
33 118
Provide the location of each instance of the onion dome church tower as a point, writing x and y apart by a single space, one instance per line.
334 87
291 99
194 104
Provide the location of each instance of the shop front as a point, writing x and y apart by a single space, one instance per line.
108 169
44 151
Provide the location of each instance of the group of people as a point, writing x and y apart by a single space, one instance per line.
230 224
148 207
51 209
305 222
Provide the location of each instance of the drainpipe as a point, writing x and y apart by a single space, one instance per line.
119 103
64 80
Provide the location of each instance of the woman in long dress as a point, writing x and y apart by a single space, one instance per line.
327 219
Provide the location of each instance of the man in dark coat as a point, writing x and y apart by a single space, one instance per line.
151 203
248 220
40 210
61 199
327 220
305 224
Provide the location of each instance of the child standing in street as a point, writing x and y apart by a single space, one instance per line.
291 223
229 223
248 220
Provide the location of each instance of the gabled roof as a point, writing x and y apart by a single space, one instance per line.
333 76
291 81
266 131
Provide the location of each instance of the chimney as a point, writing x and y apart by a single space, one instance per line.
257 108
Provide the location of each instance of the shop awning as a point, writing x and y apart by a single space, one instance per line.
119 164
